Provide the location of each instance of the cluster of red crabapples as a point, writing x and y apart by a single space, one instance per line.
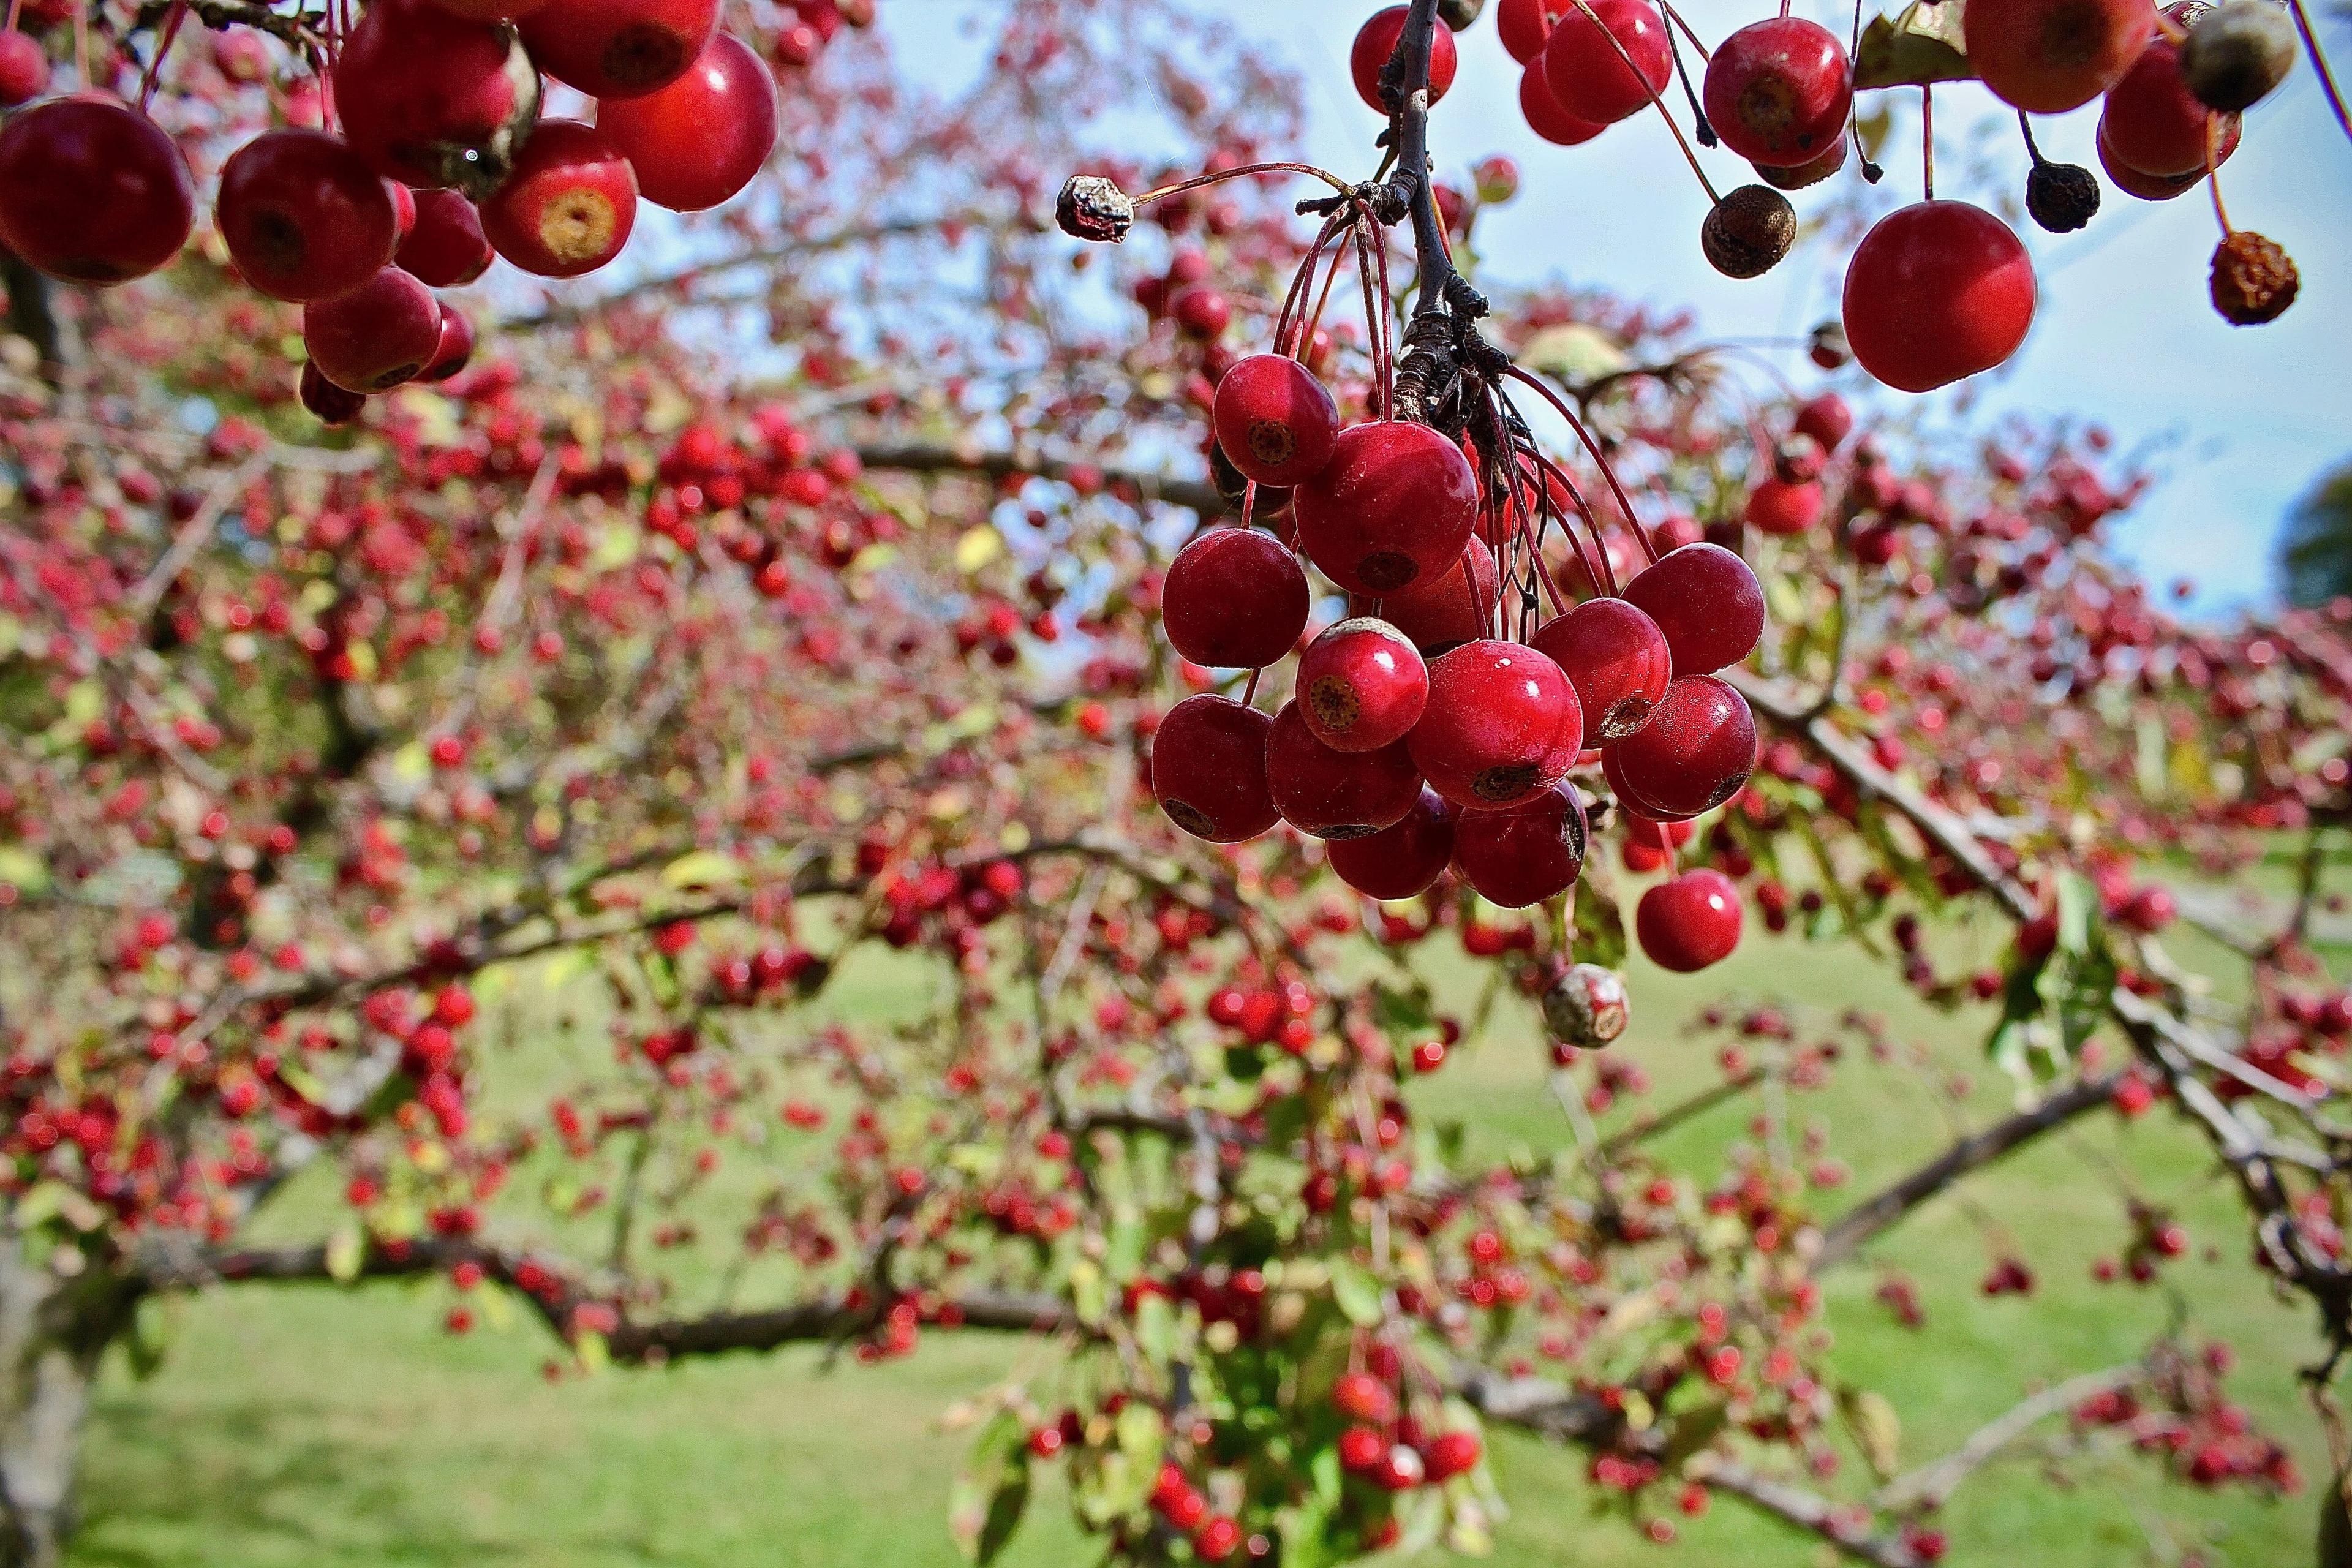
1418 738
434 160
1938 291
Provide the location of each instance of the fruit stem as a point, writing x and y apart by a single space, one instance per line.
1197 181
15 7
1700 127
2213 173
1657 100
1624 503
2033 148
1376 317
81 45
148 79
1927 136
2319 64
1676 18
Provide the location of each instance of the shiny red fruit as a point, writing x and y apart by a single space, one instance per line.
1936 292
1777 91
1208 769
304 216
1707 604
1601 81
92 191
620 48
2153 123
447 249
1826 420
371 340
1695 754
2144 188
1526 855
1235 598
328 403
1690 921
1780 507
24 68
1335 794
1378 40
1452 1454
699 141
569 206
434 101
1524 24
1274 420
1544 115
1449 612
1502 725
491 10
1616 658
1392 508
1402 861
2047 57
455 348
1361 685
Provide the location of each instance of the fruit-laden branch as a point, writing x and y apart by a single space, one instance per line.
549 1288
1563 1414
1971 1153
1931 1484
296 27
2168 1042
1624 1142
1198 495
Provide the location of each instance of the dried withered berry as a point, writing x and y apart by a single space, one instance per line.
2255 281
1092 207
1586 1006
2061 198
1747 232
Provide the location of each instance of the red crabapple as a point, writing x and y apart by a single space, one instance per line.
2047 56
1936 292
455 348
1777 507
1777 91
620 48
326 402
446 248
1377 41
2154 124
1525 854
1361 685
1589 73
1544 115
1707 604
1524 24
433 100
24 68
1694 754
1401 861
304 216
1395 506
1274 420
569 206
699 141
1690 922
1615 657
376 336
1328 794
1459 607
1235 598
1502 725
2144 188
1208 769
92 191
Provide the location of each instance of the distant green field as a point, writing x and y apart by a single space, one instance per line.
297 1426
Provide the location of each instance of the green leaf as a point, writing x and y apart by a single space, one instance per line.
1923 43
1357 1294
346 1253
150 1337
1877 1429
1600 921
992 1492
1155 1329
702 868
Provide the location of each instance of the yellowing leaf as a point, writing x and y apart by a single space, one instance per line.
1573 352
1922 44
977 548
346 1252
702 868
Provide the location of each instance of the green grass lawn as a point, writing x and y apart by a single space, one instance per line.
309 1427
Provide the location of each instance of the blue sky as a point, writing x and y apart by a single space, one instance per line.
2250 416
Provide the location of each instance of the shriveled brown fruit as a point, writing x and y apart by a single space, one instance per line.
1747 232
2255 281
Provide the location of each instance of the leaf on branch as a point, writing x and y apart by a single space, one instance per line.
1357 1294
1921 45
1877 1429
992 1492
1573 353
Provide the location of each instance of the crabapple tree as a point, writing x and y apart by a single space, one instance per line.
486 665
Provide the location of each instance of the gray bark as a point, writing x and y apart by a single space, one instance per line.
52 1333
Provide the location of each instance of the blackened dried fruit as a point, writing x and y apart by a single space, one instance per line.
2255 281
1748 231
1092 207
2061 198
